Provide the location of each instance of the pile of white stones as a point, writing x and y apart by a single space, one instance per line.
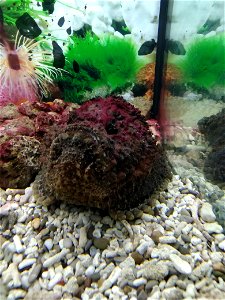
173 251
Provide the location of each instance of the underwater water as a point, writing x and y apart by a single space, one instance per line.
99 197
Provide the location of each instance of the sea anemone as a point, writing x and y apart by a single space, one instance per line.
25 70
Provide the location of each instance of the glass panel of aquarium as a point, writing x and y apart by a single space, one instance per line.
195 94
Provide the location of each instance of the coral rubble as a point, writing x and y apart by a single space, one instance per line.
106 158
26 132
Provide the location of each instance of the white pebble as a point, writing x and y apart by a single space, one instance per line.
55 258
17 197
97 233
27 262
128 247
90 270
67 273
195 241
96 259
54 280
213 227
111 279
142 248
207 213
181 265
16 294
9 198
222 245
140 281
18 244
187 229
48 244
167 239
83 237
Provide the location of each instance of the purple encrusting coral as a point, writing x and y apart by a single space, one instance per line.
106 158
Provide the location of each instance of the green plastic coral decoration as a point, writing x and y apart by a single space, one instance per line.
108 61
204 63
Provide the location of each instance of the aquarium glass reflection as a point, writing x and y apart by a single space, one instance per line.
194 98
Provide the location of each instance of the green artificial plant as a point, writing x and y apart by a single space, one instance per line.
203 65
95 63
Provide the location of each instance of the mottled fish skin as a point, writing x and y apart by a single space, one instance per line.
175 47
27 26
147 47
59 58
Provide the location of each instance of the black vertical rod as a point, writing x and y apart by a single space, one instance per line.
160 57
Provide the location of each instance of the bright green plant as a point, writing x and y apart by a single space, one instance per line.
109 61
13 9
204 63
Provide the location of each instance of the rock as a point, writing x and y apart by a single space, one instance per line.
98 179
181 265
48 244
142 295
140 281
34 273
16 294
26 263
101 243
83 237
156 234
138 258
219 267
17 242
36 223
67 243
57 278
206 213
25 139
152 271
113 277
150 284
213 228
55 258
172 293
90 271
167 240
222 245
186 238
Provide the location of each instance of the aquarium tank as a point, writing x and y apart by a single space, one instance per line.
112 149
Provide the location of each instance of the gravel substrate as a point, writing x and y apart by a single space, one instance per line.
175 251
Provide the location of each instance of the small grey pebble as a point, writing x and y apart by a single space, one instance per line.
185 212
186 219
101 243
95 276
186 238
142 295
52 228
184 249
90 232
150 284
